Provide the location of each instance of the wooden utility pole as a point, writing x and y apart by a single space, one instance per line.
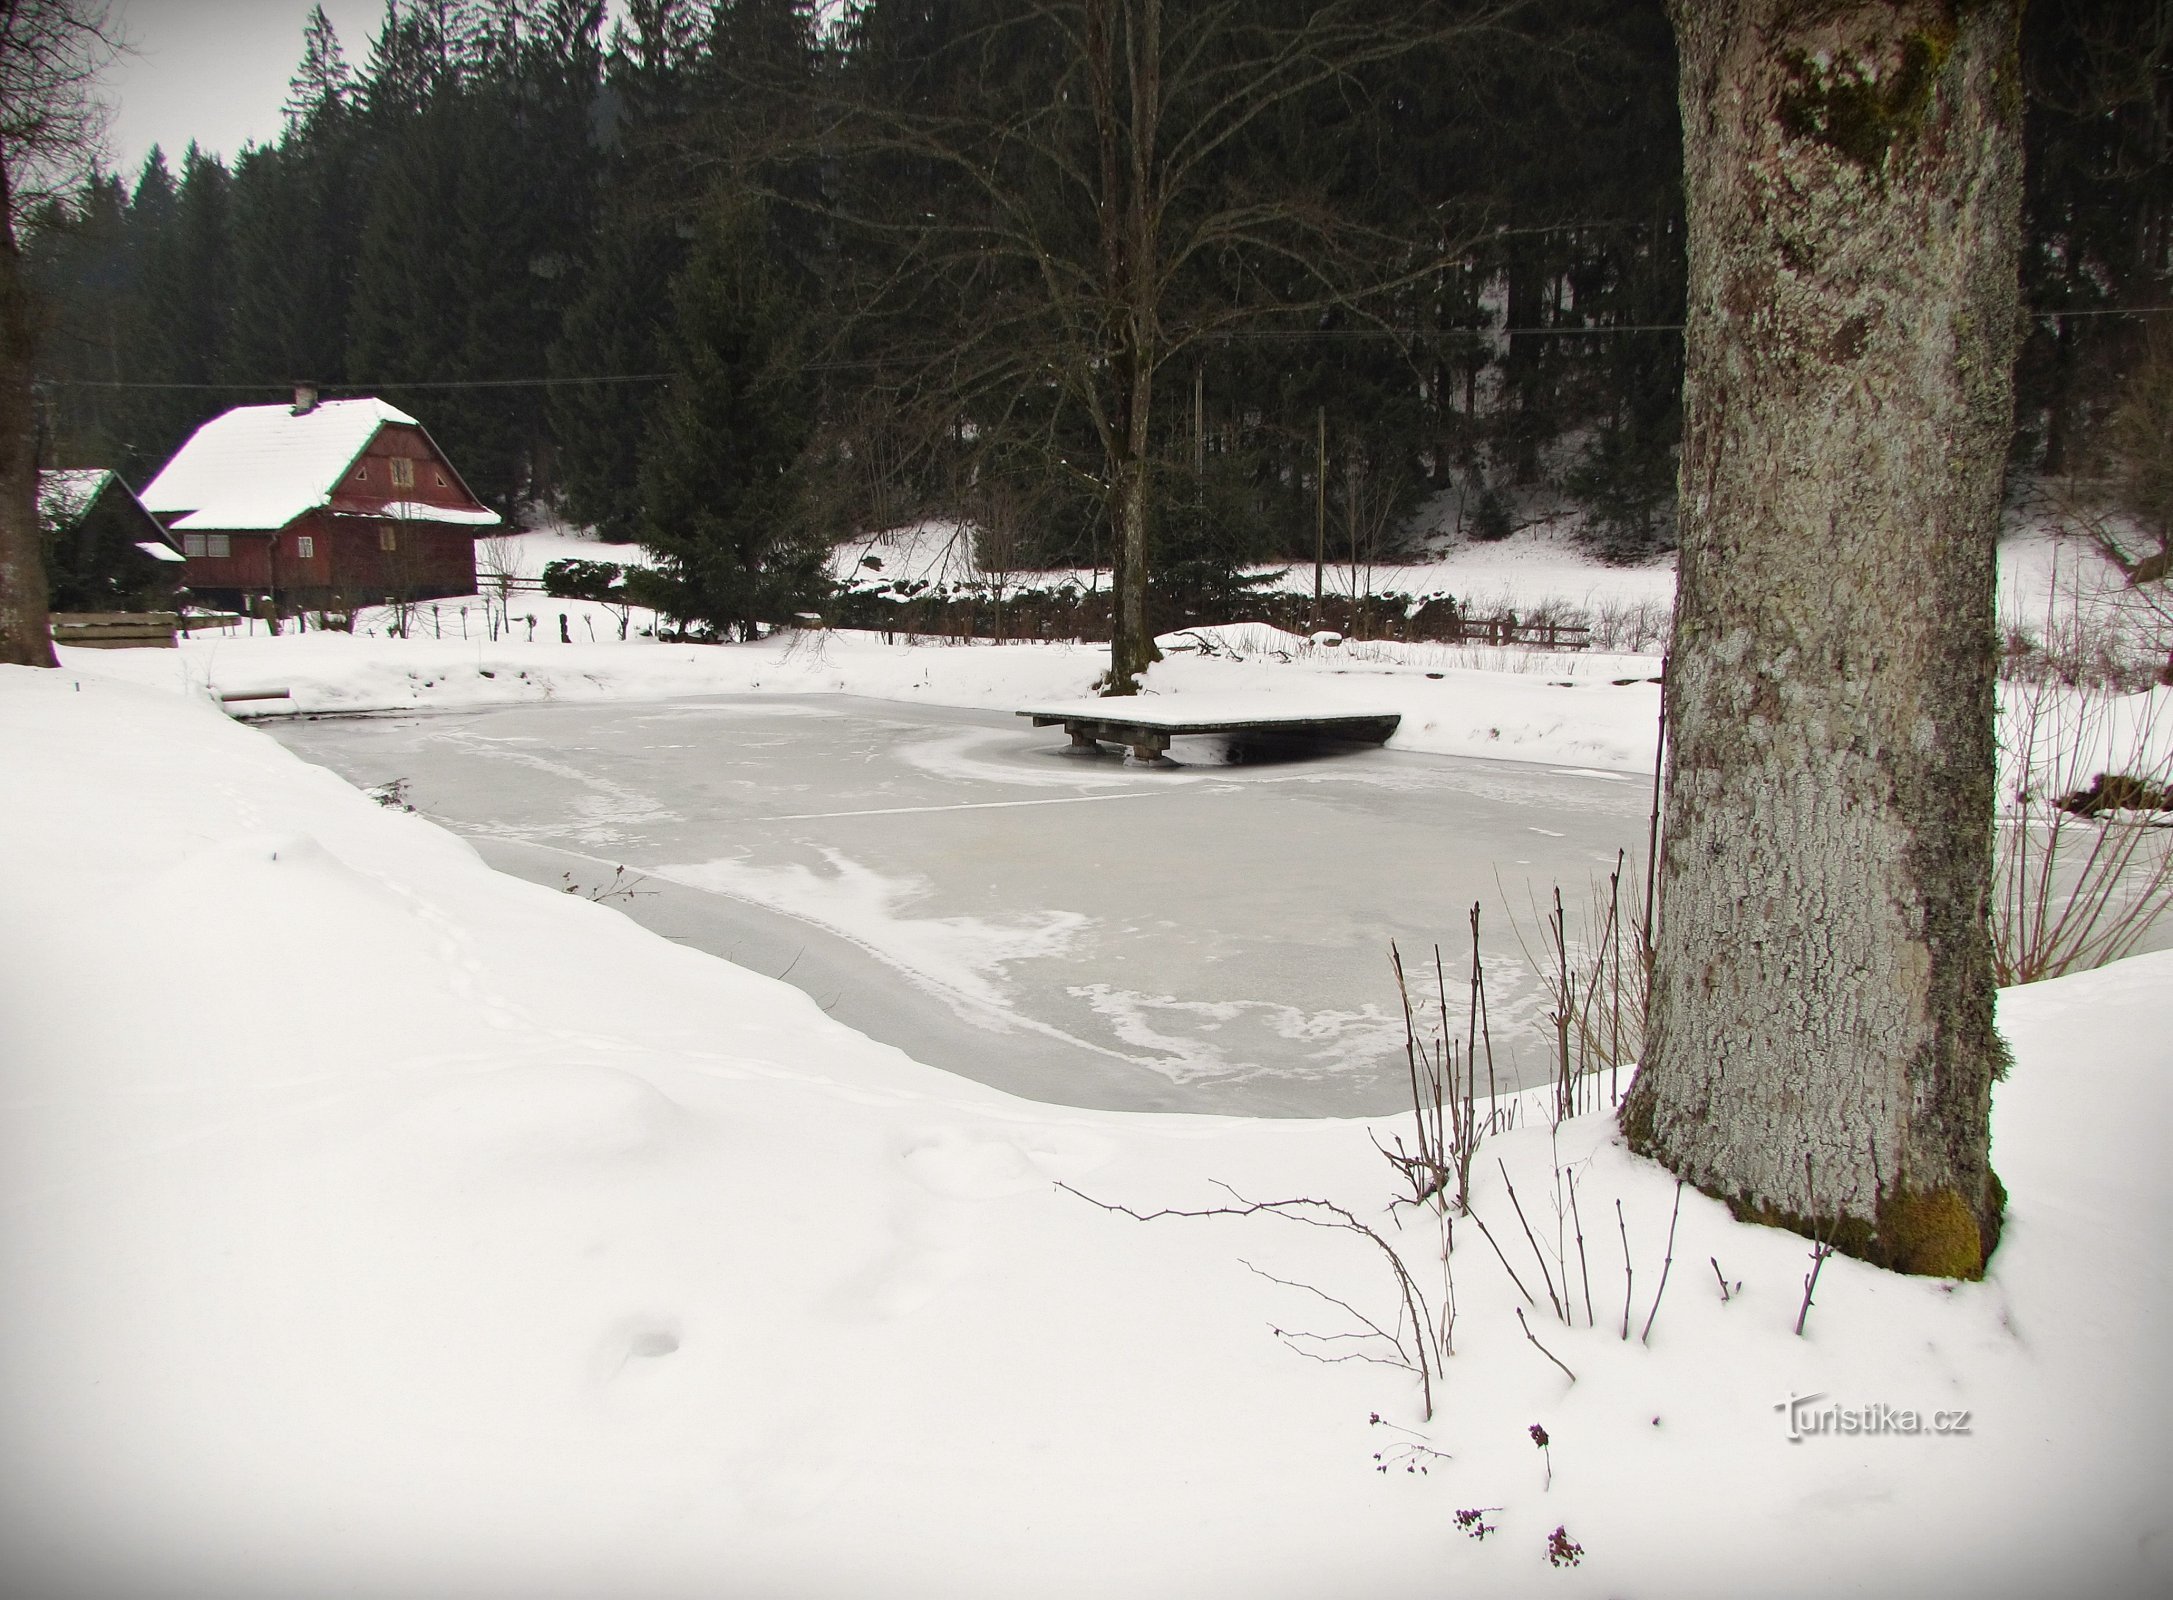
1199 447
1353 479
1320 514
1199 424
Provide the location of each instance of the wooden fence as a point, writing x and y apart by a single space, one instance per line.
115 630
1079 614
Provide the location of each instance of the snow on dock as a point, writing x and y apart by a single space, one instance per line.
1147 723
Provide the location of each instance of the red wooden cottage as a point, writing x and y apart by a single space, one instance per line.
338 502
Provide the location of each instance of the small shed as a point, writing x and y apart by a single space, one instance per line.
104 551
321 503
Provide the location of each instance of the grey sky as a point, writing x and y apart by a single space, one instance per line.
214 71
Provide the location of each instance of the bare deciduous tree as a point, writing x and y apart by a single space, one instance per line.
50 122
1065 207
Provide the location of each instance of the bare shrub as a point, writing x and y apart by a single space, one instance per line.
1444 1086
1412 1340
498 567
1632 627
2108 617
2084 864
1596 978
2100 637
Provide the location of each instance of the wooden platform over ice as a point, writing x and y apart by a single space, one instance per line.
1146 725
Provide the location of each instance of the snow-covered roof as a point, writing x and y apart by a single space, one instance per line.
263 466
65 496
423 511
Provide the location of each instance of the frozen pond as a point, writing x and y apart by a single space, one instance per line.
1203 937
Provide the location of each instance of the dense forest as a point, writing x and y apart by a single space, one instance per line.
736 279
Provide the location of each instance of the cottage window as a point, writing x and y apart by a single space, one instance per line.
305 546
403 473
386 538
440 476
192 544
202 545
362 473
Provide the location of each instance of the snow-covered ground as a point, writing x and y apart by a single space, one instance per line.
377 1224
1526 569
1584 709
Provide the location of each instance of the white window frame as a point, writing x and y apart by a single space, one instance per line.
305 547
194 546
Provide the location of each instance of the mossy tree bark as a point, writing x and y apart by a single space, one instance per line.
1821 1045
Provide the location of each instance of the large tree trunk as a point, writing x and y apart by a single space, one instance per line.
1130 158
1821 1047
26 630
1131 637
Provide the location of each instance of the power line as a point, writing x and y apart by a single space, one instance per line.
1251 336
1272 335
1570 331
2108 311
287 387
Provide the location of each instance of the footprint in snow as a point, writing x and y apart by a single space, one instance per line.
963 1166
633 1344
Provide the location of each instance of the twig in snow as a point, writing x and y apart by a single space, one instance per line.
1411 1454
1725 1294
1545 1276
1303 1209
1628 1278
1543 1350
1290 1336
1820 1250
1488 1234
1478 1021
1669 1261
1584 1271
1819 1253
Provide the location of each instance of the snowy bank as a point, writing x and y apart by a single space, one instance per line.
1584 709
379 1225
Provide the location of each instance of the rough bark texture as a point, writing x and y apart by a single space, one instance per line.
1821 1049
1131 156
26 635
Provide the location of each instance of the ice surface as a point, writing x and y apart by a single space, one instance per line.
1206 937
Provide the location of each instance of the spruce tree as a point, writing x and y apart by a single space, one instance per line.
721 483
323 83
614 323
612 329
182 303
